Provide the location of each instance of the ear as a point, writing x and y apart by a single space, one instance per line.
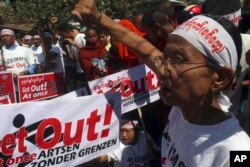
223 77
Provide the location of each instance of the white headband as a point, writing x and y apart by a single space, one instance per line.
128 124
234 17
211 39
28 37
7 32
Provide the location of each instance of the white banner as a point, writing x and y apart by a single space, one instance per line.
138 86
59 132
77 93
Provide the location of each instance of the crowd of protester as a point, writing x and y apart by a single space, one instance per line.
203 93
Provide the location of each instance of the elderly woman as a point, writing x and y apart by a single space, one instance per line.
199 61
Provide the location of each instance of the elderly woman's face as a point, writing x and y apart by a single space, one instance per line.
187 78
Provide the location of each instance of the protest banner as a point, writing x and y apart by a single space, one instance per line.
40 86
5 99
138 86
59 132
77 93
7 86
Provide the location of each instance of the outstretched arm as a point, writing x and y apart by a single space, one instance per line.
87 13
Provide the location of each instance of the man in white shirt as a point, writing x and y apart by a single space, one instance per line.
18 59
38 53
73 40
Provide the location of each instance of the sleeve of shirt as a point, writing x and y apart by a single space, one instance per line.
116 155
80 40
30 58
31 69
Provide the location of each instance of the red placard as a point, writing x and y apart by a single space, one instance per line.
7 86
4 99
40 86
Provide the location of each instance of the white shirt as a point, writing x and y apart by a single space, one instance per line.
189 145
39 56
18 58
132 155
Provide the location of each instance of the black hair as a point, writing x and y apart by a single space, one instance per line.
91 28
184 16
65 27
244 24
220 7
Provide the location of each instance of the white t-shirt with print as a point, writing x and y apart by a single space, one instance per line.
189 145
18 58
133 155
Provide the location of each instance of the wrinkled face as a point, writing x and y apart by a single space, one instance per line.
127 135
186 77
8 40
91 37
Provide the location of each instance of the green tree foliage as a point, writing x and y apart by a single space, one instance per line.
20 11
117 8
26 11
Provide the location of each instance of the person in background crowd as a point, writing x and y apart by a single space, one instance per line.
18 59
19 40
73 40
137 16
39 56
157 26
28 42
92 56
232 12
104 39
129 58
55 59
188 12
136 147
192 73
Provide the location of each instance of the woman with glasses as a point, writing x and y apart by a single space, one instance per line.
199 61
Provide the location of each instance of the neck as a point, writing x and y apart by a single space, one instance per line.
8 46
205 114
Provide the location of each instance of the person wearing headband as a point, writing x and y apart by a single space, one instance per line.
38 53
134 147
199 61
18 59
232 11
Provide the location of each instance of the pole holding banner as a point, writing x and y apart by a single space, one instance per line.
2 61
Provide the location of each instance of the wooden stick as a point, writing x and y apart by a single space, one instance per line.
142 120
